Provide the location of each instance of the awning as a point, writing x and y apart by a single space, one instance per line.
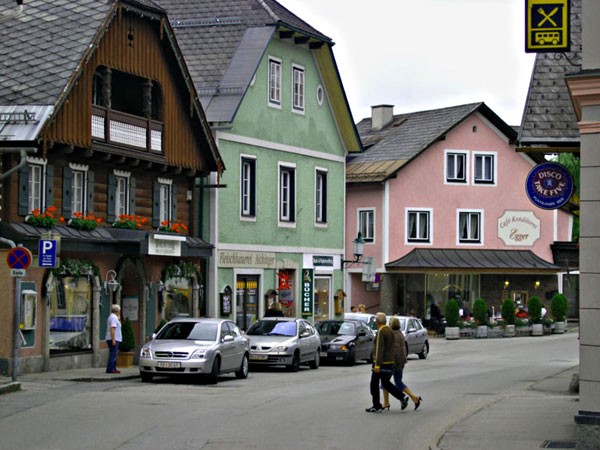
498 261
101 240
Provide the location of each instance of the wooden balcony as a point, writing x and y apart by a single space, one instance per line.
126 130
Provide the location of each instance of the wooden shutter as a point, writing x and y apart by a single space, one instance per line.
111 201
174 202
67 193
24 190
132 196
156 204
89 192
49 199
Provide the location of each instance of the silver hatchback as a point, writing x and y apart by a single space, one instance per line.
284 341
201 347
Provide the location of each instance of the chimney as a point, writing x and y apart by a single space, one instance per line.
381 115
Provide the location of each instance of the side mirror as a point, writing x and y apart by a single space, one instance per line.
304 334
153 336
228 338
411 330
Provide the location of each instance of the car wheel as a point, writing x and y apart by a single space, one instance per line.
425 351
352 356
146 377
314 364
295 366
243 372
213 378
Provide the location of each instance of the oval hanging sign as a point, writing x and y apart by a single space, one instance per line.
549 185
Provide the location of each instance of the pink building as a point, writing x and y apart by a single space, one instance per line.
439 197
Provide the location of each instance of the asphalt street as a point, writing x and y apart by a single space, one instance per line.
275 409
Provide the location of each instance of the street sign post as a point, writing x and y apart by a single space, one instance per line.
18 258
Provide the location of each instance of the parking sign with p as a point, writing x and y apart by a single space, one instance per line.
47 253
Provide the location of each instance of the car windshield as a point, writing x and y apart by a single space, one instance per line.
272 328
195 331
339 328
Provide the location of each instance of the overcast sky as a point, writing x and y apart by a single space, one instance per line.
426 54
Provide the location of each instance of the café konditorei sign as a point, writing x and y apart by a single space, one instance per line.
307 292
547 26
549 185
519 228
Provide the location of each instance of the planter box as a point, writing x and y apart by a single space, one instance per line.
482 331
523 331
537 329
452 333
559 327
509 331
125 359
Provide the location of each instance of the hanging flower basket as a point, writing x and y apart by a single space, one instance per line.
82 222
170 226
45 219
130 222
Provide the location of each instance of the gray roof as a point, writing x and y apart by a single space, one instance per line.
22 122
409 134
213 36
433 259
549 117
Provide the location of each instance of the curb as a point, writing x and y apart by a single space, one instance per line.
10 387
102 379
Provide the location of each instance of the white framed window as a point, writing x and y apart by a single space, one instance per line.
287 194
248 186
366 224
79 177
320 196
456 167
469 225
121 192
419 225
165 192
484 168
36 186
297 88
274 84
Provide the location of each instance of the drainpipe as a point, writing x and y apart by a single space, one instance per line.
23 161
18 11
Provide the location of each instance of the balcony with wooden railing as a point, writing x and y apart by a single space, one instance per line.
126 130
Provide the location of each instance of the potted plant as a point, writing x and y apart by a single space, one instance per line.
452 331
126 346
508 314
558 310
480 316
46 219
82 222
534 307
130 222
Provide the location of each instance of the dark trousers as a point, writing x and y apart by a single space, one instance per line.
111 366
383 376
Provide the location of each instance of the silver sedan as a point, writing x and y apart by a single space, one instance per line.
201 347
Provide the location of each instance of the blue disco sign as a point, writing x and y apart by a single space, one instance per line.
549 185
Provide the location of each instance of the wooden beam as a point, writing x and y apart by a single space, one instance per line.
191 172
164 168
88 153
548 149
147 164
315 45
177 170
286 34
107 157
134 162
301 40
121 160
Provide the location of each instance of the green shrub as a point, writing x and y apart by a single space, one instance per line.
452 313
508 311
558 307
128 342
480 311
535 309
521 323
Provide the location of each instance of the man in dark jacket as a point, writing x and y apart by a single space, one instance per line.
383 363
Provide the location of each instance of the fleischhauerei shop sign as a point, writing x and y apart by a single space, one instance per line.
519 228
549 185
235 258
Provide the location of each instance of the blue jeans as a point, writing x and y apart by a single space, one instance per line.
112 356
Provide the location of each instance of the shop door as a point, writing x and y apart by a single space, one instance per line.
322 298
246 304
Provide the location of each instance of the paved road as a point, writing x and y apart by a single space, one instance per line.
274 409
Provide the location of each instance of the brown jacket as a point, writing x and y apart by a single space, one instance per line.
399 349
383 347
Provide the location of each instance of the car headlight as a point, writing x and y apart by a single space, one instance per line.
145 353
338 347
198 354
280 349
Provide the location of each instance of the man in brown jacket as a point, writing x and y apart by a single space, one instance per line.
383 363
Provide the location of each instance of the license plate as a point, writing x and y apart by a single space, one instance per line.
168 365
323 354
339 358
259 357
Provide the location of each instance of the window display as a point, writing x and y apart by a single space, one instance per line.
178 299
322 298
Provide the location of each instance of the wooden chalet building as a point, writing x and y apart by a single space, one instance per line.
99 124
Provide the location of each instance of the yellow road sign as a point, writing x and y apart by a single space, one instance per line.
547 25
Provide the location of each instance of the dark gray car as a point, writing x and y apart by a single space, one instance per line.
345 340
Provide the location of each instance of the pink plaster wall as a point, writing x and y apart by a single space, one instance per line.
420 184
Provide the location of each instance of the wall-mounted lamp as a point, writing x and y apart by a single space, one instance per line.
359 245
506 283
112 283
537 284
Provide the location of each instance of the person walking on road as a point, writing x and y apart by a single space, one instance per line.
400 360
113 337
383 363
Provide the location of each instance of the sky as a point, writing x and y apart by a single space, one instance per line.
426 54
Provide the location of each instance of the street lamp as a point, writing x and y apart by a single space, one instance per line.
112 284
359 245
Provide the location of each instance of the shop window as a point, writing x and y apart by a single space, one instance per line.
70 314
322 298
246 302
178 298
286 292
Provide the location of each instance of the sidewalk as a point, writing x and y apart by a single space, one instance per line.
540 417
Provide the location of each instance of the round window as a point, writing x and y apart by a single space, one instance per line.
320 94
